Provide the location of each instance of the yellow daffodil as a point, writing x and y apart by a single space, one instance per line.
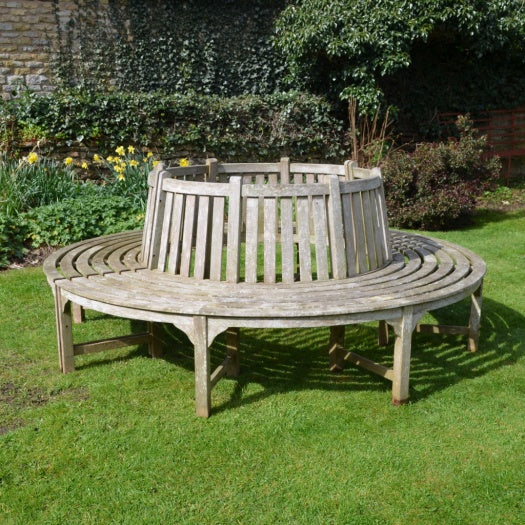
155 162
120 150
131 149
32 158
149 154
119 169
184 162
84 165
133 162
68 161
110 158
97 158
121 177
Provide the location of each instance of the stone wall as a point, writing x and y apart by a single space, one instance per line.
27 28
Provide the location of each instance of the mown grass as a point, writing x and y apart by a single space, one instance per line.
117 441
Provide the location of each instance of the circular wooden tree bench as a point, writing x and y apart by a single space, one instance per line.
269 245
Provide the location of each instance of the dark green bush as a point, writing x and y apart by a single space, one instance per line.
436 185
250 127
77 219
13 234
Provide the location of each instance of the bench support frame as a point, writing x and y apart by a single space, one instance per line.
202 334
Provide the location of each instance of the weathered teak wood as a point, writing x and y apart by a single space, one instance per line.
227 246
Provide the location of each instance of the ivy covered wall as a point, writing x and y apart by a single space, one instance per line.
204 46
201 46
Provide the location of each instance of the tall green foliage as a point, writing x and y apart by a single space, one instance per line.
345 47
203 46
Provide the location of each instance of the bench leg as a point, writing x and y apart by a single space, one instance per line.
382 336
403 328
336 352
475 319
155 344
232 351
64 320
78 313
202 367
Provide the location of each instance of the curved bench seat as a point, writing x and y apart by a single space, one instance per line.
424 272
106 274
264 245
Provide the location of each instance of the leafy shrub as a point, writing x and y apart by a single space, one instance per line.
13 234
77 219
255 127
437 184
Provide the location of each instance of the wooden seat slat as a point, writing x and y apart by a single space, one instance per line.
132 258
116 257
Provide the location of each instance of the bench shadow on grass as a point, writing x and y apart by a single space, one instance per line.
287 360
282 361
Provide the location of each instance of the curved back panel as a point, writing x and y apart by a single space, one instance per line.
266 222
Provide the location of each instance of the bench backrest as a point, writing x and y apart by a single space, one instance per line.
266 222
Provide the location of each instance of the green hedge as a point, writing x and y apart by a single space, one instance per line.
246 127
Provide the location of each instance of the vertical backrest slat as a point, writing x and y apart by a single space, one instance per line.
201 242
270 238
321 236
148 225
260 179
187 235
155 225
381 206
376 225
335 218
286 205
252 233
284 168
310 179
349 234
217 239
211 168
234 231
165 232
303 233
287 244
359 230
175 233
369 233
153 190
349 169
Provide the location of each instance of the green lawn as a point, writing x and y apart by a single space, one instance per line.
118 442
